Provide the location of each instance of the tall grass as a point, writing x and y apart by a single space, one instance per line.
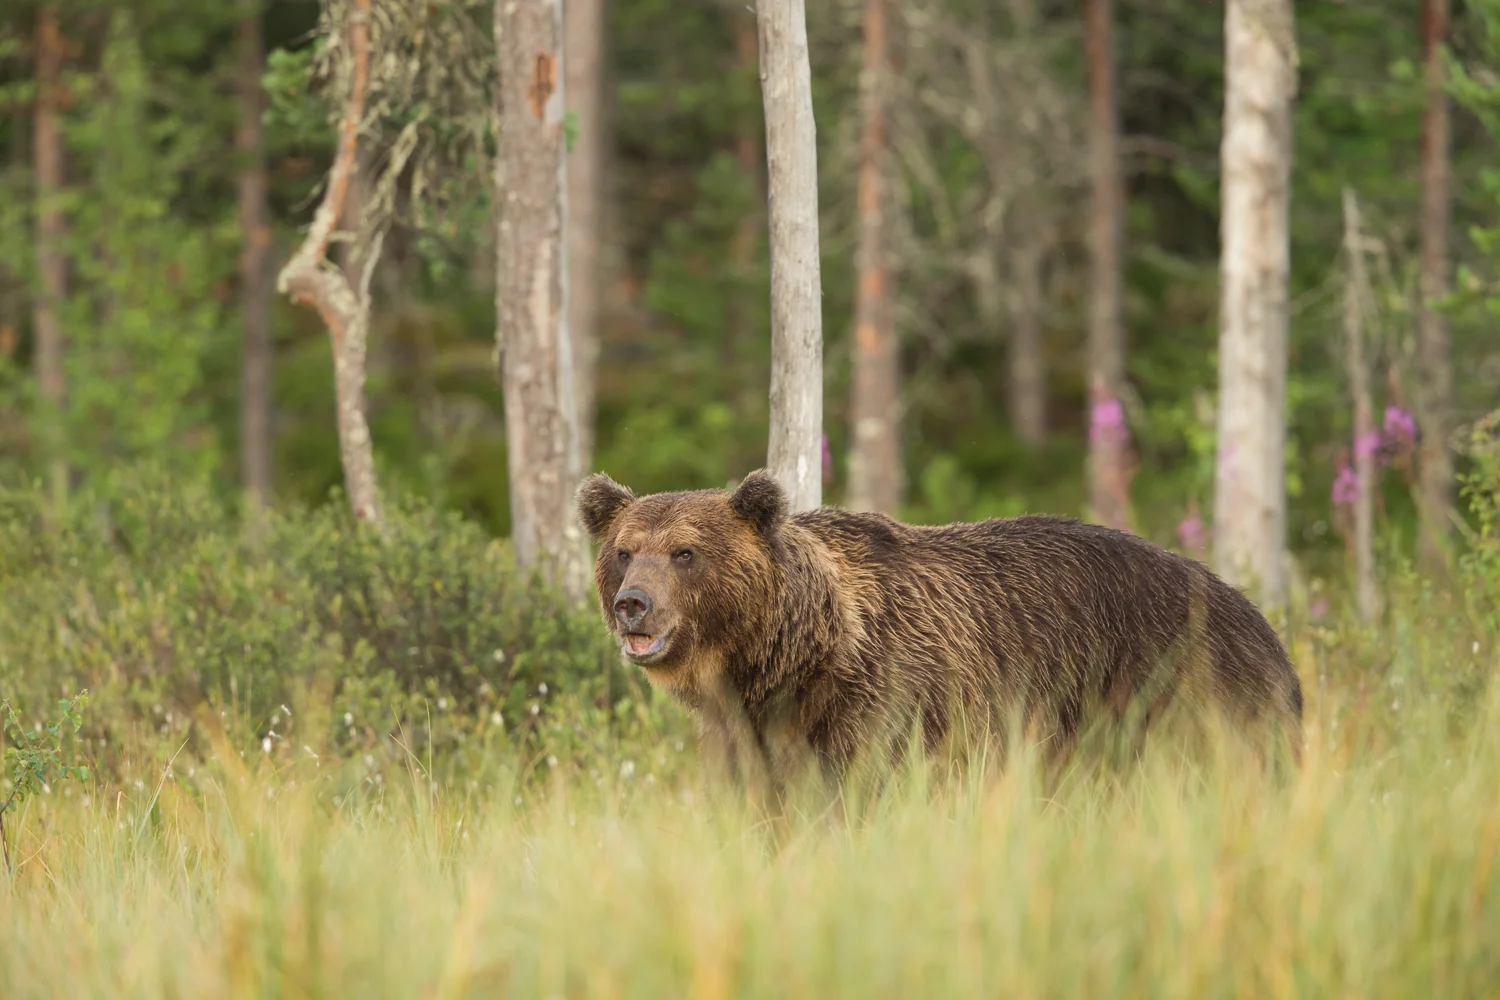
458 797
1372 874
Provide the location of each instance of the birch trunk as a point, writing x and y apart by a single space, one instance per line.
255 234
795 451
583 66
52 267
875 458
1434 349
1256 154
532 336
1365 439
345 310
1106 343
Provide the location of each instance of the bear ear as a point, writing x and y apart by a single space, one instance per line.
600 499
760 500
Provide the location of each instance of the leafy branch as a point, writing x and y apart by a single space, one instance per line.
34 759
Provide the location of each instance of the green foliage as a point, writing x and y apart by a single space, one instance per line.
296 112
154 372
1481 488
161 605
33 761
148 311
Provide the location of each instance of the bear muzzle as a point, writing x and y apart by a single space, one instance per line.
639 639
643 648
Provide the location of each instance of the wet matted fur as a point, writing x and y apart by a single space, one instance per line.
832 632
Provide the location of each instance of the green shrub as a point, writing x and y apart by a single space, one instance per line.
153 597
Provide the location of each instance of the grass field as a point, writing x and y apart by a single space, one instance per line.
1376 873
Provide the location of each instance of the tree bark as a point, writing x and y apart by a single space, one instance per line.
532 336
875 478
1106 335
1028 376
583 64
1366 441
52 265
1434 349
308 278
796 438
351 217
1256 155
255 234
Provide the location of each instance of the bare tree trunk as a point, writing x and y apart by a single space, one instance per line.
583 44
1366 441
52 265
351 217
875 460
1434 349
255 232
534 344
795 455
1028 376
1256 156
308 278
1106 335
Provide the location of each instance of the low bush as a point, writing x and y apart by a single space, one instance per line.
311 632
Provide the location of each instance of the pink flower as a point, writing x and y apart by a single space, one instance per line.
1400 425
1192 534
1319 609
1400 436
1345 488
1107 421
1366 445
827 459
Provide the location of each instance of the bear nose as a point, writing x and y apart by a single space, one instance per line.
631 606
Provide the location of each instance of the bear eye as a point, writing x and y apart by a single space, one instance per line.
623 556
683 556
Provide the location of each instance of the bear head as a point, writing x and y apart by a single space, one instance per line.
684 576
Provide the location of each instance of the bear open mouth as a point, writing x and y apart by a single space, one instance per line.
641 647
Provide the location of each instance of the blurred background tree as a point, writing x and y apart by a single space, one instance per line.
145 203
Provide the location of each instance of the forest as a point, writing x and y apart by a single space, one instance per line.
314 314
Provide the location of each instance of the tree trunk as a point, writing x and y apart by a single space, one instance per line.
255 233
344 309
52 266
795 455
534 344
1256 156
1434 350
1366 440
1028 376
1106 336
351 217
875 460
583 64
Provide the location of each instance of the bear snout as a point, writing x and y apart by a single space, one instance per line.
631 608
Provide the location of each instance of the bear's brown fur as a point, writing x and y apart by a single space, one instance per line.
826 627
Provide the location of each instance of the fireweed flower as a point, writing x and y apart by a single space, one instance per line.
1107 421
1366 445
1345 488
1400 435
1191 533
827 459
1400 425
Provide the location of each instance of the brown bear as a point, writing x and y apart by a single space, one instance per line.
829 628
